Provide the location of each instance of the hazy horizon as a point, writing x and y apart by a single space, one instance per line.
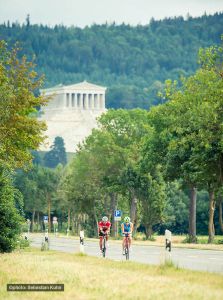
87 12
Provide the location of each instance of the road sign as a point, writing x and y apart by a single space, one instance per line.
117 215
45 219
55 220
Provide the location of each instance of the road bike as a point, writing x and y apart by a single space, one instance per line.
126 246
104 244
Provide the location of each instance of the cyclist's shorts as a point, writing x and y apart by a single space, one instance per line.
129 234
101 233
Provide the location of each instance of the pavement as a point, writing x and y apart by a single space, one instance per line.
193 259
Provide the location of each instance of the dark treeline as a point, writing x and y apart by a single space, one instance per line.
133 62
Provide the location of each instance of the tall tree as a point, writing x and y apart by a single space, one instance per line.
57 155
20 132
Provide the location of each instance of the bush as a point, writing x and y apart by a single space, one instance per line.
23 243
187 240
139 236
152 239
10 220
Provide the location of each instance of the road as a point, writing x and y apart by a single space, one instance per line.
202 260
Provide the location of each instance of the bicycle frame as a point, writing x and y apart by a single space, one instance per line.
126 246
104 245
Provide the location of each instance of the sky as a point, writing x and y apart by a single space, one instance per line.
87 12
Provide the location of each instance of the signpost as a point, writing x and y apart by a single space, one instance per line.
168 238
45 242
45 219
117 217
82 241
55 224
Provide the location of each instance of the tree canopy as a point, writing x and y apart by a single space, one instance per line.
132 61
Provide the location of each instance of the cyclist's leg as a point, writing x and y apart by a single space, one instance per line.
130 240
100 242
123 245
106 238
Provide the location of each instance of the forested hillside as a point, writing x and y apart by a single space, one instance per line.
133 62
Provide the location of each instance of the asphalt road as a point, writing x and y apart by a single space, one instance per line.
203 260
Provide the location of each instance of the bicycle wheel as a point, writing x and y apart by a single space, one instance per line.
127 250
104 247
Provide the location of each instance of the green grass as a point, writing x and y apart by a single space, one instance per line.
92 278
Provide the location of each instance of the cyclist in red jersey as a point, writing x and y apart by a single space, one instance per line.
103 229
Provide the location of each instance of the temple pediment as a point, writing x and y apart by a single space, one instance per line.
84 85
81 86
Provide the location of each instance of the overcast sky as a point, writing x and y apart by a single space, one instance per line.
86 12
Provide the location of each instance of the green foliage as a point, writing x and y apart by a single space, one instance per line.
187 130
132 61
176 210
10 220
57 155
22 243
19 130
152 193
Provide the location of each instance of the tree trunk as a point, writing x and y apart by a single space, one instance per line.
220 215
211 217
49 208
68 219
113 206
37 221
133 208
149 231
96 221
72 224
33 220
192 215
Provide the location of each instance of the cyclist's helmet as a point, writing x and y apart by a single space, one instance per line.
105 219
126 219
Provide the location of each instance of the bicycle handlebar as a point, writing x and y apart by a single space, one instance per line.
126 234
103 233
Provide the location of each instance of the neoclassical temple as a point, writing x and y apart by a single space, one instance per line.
72 112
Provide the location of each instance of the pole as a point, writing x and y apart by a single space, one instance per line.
168 237
116 228
82 241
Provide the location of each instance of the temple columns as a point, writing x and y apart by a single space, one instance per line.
84 101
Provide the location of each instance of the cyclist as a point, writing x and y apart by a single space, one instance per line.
127 228
103 229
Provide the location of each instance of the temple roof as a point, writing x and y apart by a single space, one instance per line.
84 85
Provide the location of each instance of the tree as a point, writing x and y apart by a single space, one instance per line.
153 197
10 220
99 176
187 135
20 132
57 155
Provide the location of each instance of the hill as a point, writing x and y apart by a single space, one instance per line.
132 61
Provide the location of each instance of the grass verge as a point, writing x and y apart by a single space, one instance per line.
92 278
